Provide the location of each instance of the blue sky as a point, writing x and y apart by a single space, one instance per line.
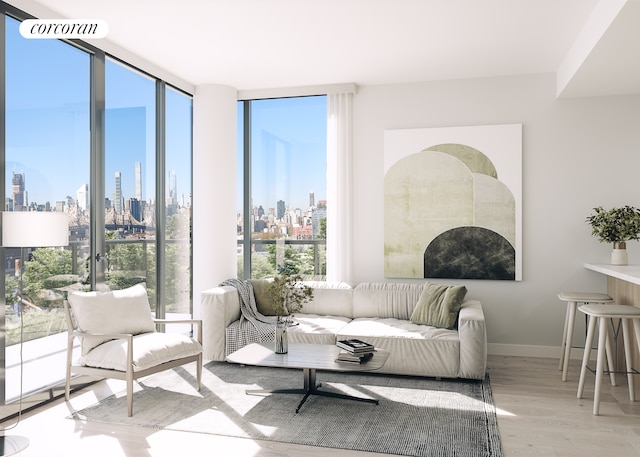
47 122
288 151
48 130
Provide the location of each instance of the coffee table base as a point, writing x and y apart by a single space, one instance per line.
310 388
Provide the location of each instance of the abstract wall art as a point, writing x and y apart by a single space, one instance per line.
453 202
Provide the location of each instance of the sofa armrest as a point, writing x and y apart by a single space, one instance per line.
220 307
473 340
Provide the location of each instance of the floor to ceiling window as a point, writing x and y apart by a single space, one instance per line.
52 159
130 179
177 255
282 215
47 169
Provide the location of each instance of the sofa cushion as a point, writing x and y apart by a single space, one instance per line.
439 305
149 350
316 329
330 299
264 302
118 311
383 300
414 349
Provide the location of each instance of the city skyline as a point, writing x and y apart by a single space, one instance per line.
18 199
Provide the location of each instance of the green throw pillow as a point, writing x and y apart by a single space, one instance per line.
439 305
263 301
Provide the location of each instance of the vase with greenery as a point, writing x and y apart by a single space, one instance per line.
617 226
288 294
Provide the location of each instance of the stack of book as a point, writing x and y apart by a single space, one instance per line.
354 351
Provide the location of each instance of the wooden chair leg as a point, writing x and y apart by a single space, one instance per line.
199 372
587 354
571 317
563 345
130 396
602 341
67 383
626 336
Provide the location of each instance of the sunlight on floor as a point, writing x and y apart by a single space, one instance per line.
502 412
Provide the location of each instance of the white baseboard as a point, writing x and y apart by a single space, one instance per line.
521 350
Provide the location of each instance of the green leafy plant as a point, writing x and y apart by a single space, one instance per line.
288 294
615 225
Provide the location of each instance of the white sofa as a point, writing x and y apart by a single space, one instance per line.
378 313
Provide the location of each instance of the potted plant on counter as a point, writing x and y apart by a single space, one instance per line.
617 226
288 295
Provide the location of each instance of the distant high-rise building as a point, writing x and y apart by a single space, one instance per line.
135 209
173 185
117 203
318 213
172 199
281 209
18 192
312 199
139 181
82 197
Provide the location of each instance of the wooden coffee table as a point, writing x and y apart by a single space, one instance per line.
309 358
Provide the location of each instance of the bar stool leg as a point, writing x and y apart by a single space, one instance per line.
569 324
627 357
563 344
603 336
610 357
587 354
636 328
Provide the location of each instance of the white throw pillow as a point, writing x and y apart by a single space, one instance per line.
118 311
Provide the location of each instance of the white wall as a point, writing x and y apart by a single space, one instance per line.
577 154
214 187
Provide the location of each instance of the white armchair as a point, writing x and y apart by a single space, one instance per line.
119 339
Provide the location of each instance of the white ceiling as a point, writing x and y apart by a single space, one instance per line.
593 45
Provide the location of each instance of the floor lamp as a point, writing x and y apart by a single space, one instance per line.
29 229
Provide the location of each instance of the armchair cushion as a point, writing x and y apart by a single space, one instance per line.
149 350
118 311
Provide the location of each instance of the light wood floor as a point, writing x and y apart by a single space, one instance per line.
538 415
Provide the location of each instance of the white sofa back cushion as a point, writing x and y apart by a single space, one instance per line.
118 311
330 299
386 300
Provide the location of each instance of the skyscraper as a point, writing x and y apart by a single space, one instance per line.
82 197
18 191
312 199
139 181
173 185
117 203
281 209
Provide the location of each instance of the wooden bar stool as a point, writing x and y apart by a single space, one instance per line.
572 299
604 314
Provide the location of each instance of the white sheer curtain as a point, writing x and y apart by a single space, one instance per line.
339 189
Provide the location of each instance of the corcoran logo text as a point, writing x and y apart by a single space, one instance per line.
83 29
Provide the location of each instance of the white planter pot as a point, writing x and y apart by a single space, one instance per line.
619 255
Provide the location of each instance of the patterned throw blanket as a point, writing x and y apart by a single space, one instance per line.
252 327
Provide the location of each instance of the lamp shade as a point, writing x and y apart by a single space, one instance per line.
34 229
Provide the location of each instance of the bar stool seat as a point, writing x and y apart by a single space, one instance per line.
572 299
603 314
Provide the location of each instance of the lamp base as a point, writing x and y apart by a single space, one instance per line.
10 445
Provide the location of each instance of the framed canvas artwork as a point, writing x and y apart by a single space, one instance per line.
453 202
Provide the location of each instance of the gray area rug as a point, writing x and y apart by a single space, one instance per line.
416 416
